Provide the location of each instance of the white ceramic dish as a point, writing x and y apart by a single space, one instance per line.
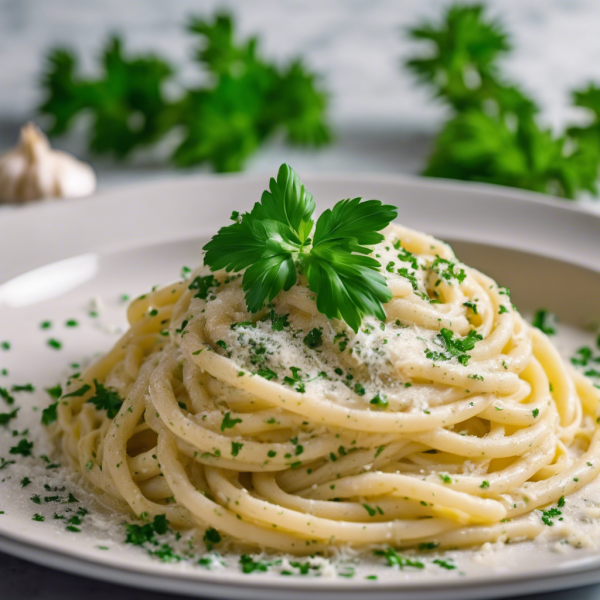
55 257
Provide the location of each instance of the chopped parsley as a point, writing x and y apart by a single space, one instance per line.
235 448
106 399
249 565
278 322
28 387
49 414
446 269
23 448
6 417
228 422
55 344
453 347
140 534
54 392
203 286
314 338
545 321
80 392
397 560
472 306
267 373
5 395
552 513
379 401
444 564
211 537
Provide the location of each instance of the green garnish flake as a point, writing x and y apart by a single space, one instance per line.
49 414
447 270
211 537
535 412
453 347
228 422
106 399
23 448
314 338
235 448
249 565
5 418
203 286
445 478
140 534
5 345
545 321
79 392
379 400
6 396
445 564
273 241
28 387
472 306
54 344
71 323
397 560
54 392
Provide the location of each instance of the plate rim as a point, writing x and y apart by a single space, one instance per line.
488 193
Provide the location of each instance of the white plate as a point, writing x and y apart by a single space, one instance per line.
56 257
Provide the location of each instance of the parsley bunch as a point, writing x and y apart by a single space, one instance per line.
494 134
272 243
247 100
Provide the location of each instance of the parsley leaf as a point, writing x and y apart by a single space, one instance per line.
493 134
395 559
211 537
23 448
106 399
49 414
272 241
6 417
453 347
203 285
244 100
228 422
545 321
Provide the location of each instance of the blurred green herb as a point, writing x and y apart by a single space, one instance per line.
246 100
494 134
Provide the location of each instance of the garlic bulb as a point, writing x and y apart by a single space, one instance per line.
34 170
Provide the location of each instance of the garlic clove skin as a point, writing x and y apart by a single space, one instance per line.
33 170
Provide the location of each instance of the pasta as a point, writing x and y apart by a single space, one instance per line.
449 424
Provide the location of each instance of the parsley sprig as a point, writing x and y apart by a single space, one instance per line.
493 133
272 243
245 99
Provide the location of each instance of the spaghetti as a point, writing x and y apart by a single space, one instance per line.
449 423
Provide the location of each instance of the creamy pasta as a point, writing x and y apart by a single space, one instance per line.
447 424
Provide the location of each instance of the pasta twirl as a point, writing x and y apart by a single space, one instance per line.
450 422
